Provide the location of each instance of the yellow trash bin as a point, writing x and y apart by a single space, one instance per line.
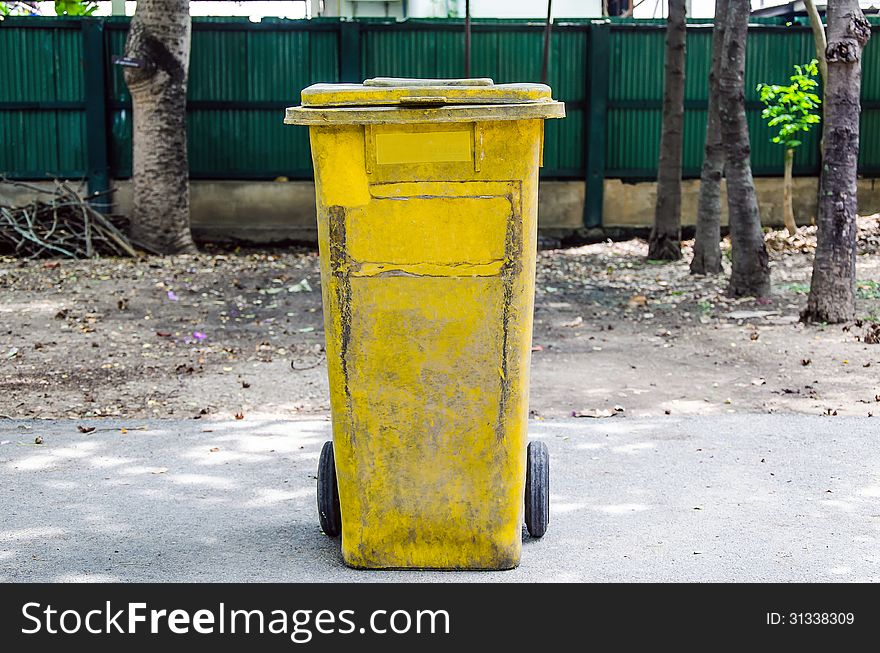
427 219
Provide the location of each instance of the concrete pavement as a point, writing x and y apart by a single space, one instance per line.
732 498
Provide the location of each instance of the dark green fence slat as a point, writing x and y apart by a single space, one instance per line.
94 63
350 52
598 66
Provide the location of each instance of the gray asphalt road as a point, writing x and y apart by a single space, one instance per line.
735 498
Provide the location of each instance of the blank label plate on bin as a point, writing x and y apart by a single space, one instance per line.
425 147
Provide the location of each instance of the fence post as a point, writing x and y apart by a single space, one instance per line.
597 65
94 63
350 52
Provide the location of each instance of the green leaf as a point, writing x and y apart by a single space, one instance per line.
75 7
784 118
792 108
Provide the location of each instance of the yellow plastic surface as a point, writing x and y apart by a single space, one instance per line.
388 90
415 114
391 100
427 237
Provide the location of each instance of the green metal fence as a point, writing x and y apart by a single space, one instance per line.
65 110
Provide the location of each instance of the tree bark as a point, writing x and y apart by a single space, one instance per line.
665 242
832 291
787 208
819 39
750 274
707 241
159 40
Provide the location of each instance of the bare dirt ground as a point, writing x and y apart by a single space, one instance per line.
240 333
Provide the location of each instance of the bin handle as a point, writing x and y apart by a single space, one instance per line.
424 99
397 82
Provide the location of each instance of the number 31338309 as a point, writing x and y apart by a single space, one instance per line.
811 618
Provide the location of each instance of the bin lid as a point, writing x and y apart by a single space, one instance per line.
390 99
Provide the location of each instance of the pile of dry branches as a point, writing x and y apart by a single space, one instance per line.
60 223
869 234
803 241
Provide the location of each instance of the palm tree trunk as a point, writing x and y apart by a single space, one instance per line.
750 274
665 242
707 240
832 291
159 43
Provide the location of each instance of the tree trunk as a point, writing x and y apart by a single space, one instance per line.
159 40
707 245
787 208
820 42
750 275
832 291
819 39
665 242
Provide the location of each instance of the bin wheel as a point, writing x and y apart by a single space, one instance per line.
328 493
537 489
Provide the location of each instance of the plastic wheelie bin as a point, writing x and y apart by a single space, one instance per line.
427 214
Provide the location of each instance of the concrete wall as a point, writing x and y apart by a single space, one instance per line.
632 205
270 211
249 211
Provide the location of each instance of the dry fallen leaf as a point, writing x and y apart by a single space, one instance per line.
598 412
239 415
214 449
85 429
